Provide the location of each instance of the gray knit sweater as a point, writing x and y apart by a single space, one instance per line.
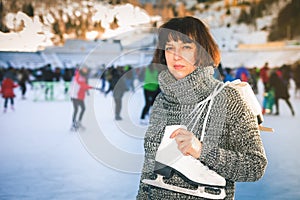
232 145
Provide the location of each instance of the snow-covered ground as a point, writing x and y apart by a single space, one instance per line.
41 159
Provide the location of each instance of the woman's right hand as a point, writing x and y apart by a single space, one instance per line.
187 143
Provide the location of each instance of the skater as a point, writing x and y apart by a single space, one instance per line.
191 97
268 101
228 75
119 88
23 78
151 90
103 79
242 73
67 77
79 87
129 77
254 79
111 75
264 75
48 76
7 90
280 88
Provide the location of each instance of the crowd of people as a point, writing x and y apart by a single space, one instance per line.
276 83
44 78
118 80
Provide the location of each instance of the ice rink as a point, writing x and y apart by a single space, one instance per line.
42 159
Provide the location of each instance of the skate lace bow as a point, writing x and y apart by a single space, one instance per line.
200 107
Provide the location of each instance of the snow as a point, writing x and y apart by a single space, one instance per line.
30 38
37 36
41 159
133 21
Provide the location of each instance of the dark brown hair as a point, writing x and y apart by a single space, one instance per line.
188 29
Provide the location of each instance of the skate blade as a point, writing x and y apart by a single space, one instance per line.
73 129
200 192
266 129
77 129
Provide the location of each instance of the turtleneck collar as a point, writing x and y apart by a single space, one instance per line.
193 88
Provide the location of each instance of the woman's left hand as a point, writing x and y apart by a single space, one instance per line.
188 144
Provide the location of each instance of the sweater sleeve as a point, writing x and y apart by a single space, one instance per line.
151 143
241 157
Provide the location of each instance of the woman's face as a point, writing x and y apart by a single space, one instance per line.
181 58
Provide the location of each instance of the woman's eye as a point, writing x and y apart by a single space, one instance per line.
187 47
169 48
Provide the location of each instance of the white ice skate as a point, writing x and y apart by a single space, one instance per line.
77 126
169 158
248 95
80 126
74 127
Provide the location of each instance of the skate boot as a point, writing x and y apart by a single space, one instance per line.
74 127
118 118
169 159
143 122
248 95
80 126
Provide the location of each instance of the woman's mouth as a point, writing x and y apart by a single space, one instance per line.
178 67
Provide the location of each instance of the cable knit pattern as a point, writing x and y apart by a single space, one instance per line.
232 145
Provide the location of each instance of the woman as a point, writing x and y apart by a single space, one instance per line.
231 146
79 88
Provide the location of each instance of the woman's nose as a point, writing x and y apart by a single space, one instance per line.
177 54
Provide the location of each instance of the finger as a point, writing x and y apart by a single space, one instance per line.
176 132
184 148
183 138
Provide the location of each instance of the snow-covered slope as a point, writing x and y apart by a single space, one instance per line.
37 31
35 35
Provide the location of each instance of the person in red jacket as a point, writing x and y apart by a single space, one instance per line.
7 90
264 75
79 88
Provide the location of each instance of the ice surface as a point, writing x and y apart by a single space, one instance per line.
41 159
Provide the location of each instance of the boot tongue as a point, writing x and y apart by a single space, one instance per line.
193 88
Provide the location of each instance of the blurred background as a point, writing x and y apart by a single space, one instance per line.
62 33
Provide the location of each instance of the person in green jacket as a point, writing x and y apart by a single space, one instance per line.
151 89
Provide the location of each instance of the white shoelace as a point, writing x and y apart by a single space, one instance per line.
200 107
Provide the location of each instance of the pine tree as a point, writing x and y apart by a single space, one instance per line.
3 27
244 17
28 9
287 25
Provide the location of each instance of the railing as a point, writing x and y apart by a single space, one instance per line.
50 91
